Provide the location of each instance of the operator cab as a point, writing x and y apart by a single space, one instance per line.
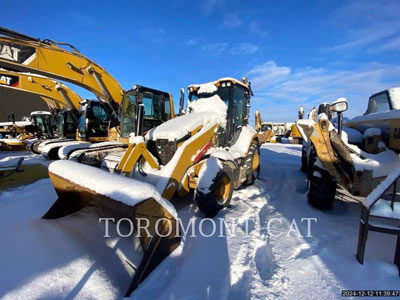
384 101
67 124
158 108
43 124
236 95
94 121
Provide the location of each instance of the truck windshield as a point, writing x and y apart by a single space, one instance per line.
128 114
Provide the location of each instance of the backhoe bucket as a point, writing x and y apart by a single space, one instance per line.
117 197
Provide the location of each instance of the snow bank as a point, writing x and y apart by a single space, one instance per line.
207 174
213 105
180 126
372 131
68 258
114 186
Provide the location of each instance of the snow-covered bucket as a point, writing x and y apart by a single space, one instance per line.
118 197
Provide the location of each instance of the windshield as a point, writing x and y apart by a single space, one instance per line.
128 114
222 92
266 127
43 124
379 103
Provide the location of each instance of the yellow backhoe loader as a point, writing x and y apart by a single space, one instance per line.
209 151
358 155
264 129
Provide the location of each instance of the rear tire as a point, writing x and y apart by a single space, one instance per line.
219 194
304 163
252 163
322 189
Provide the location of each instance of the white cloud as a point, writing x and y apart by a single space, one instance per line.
367 24
255 28
267 74
232 21
243 48
391 45
311 86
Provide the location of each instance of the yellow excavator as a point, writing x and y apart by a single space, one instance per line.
209 151
49 58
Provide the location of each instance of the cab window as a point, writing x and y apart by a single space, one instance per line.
379 103
240 102
152 105
99 114
167 108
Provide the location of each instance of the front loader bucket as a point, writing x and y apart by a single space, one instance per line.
118 197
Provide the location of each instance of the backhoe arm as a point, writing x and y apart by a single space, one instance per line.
25 54
54 93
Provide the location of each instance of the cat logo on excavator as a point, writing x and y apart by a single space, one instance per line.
9 80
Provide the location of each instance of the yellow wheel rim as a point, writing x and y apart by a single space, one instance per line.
223 188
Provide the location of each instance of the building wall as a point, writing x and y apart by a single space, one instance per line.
19 103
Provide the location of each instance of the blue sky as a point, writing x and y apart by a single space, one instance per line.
294 52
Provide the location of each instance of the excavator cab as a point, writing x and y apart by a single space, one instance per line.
158 108
94 121
67 124
236 96
43 124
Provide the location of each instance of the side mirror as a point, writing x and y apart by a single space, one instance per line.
340 105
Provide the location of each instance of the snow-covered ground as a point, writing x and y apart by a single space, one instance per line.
68 258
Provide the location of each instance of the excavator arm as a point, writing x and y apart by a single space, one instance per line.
54 93
45 57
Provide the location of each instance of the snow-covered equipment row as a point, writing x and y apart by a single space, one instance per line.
381 213
98 120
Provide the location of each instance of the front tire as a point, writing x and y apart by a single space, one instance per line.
322 189
218 195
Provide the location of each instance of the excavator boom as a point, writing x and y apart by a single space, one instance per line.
26 54
54 93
